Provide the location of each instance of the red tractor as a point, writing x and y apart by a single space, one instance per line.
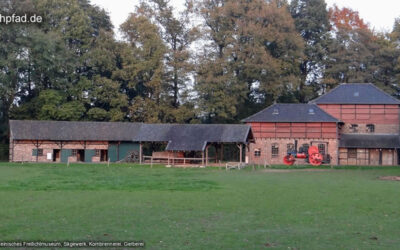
313 155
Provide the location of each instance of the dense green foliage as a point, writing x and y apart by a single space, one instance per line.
215 61
200 208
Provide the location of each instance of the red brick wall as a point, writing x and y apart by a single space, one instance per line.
265 145
324 130
384 117
22 150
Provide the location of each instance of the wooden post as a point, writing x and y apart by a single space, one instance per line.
222 152
216 152
67 162
140 153
108 162
151 162
37 150
206 155
202 158
241 153
118 151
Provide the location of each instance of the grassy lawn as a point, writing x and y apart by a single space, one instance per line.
201 208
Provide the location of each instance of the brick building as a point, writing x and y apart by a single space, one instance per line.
277 128
353 124
369 128
64 141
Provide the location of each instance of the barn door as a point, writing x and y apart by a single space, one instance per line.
374 157
387 157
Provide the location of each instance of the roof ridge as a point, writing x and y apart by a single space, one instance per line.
384 92
372 94
268 107
291 112
330 91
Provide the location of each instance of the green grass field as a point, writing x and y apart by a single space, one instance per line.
208 208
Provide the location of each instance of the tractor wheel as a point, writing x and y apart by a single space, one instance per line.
316 159
289 160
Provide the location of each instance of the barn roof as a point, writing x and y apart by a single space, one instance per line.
291 112
180 137
73 131
356 93
369 141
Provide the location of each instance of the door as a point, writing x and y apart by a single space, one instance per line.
374 157
80 155
387 157
103 155
56 155
398 156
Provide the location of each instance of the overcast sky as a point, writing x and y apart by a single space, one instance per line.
379 14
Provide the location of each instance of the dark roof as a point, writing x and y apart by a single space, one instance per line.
180 137
291 112
186 145
193 136
369 141
73 131
356 93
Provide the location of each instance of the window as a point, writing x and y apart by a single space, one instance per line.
321 149
276 112
37 152
352 153
290 148
97 152
274 150
356 94
311 112
257 152
74 152
370 128
354 128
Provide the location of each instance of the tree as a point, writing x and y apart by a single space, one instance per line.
352 52
73 45
312 22
141 68
253 57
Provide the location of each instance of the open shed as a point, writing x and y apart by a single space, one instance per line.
65 141
195 138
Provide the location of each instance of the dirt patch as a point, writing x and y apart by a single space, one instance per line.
294 170
390 178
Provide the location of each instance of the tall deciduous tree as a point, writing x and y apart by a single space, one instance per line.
254 55
312 22
142 68
178 34
352 52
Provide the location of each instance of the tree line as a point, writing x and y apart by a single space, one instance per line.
214 61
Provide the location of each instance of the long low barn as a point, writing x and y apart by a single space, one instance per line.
64 141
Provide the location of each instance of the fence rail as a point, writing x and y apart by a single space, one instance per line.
175 160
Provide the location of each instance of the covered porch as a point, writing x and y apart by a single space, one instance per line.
195 144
